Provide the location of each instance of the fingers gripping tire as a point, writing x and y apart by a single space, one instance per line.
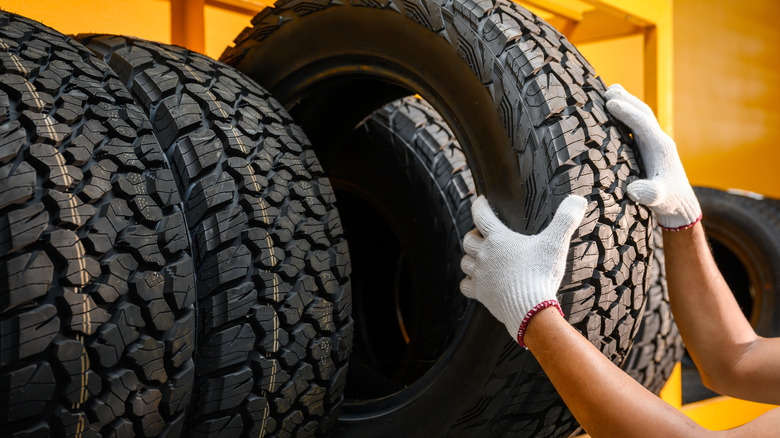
273 293
545 136
96 281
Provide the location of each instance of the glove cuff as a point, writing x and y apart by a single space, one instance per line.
686 215
534 310
682 227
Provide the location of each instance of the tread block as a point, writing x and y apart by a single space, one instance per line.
28 333
22 227
25 277
85 316
195 154
147 354
226 347
32 386
225 392
17 184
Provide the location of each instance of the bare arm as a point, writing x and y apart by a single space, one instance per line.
732 359
606 401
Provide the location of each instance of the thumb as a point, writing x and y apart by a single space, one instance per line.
484 217
647 192
567 219
468 288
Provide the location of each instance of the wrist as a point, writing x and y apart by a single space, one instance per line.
535 310
681 227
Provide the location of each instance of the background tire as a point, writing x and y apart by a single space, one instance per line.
743 234
96 281
274 324
528 112
658 346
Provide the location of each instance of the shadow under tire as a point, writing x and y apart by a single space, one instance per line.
96 279
274 303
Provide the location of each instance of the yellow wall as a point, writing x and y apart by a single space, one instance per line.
727 92
149 19
618 61
221 27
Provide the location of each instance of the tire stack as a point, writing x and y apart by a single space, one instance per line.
172 261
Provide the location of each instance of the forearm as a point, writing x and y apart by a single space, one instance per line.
720 340
605 401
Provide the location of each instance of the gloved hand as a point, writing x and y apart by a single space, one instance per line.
666 191
515 275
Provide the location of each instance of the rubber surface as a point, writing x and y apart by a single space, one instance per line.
658 346
405 249
413 125
274 324
529 114
96 281
747 229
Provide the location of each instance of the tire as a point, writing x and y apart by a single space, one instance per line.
416 134
658 346
96 279
743 234
529 115
274 324
405 222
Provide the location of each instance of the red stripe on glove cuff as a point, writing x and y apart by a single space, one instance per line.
534 310
684 227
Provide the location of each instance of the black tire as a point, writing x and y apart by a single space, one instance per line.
336 64
274 303
529 114
413 131
409 231
743 233
658 346
96 281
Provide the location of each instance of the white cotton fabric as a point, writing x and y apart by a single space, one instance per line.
666 190
509 272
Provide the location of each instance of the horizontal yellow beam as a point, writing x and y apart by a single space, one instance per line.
244 6
556 8
721 413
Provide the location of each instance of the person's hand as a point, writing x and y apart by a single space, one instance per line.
512 274
666 190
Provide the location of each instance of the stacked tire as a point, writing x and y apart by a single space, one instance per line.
172 260
97 319
273 295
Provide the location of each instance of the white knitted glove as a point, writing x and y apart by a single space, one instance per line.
515 275
666 191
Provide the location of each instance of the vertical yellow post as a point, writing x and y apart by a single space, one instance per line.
672 391
188 24
656 17
650 47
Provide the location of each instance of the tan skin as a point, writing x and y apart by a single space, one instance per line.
733 360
